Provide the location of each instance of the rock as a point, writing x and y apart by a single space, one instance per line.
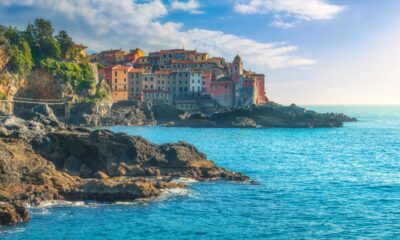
268 115
11 214
40 162
244 122
44 110
100 175
118 189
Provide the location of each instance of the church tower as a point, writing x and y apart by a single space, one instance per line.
237 66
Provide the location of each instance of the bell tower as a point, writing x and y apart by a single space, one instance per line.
237 66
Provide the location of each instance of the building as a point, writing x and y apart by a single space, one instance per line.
206 82
196 83
133 56
222 91
183 75
81 49
110 57
135 83
157 97
117 79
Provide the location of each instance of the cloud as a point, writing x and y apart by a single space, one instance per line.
127 24
191 6
288 13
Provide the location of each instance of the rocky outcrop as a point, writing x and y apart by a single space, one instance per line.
267 116
41 160
84 153
129 113
13 213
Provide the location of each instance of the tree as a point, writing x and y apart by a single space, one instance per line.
65 42
50 48
42 30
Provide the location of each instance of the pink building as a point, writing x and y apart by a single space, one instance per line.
207 76
222 91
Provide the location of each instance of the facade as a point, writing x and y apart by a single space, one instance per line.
81 49
183 77
117 78
196 83
157 97
135 83
133 56
110 57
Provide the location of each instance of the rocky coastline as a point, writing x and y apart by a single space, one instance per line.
270 115
42 159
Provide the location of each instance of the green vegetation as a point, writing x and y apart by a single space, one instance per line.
36 47
80 76
3 96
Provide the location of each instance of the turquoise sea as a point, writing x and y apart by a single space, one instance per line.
313 184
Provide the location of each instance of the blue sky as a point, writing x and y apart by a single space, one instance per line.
312 51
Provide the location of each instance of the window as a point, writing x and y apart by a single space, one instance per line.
115 88
225 87
124 79
115 73
125 88
115 80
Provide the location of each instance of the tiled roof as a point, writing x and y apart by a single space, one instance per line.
121 68
136 70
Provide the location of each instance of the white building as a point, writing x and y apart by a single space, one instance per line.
195 83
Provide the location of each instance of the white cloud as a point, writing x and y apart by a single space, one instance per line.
191 6
287 10
105 24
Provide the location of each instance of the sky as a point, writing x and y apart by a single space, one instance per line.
311 51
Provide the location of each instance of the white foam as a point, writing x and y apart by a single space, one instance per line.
11 230
185 180
52 203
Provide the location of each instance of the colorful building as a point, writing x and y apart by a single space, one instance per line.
180 76
117 78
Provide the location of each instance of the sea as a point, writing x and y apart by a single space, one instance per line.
339 183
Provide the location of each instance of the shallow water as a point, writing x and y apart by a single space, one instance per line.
314 184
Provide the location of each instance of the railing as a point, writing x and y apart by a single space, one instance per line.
37 101
63 102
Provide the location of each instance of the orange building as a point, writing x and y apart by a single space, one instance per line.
117 78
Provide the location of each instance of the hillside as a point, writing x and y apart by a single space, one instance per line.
35 64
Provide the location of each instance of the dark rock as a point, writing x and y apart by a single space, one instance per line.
11 214
100 175
267 116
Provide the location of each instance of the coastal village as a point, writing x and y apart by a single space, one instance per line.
187 79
